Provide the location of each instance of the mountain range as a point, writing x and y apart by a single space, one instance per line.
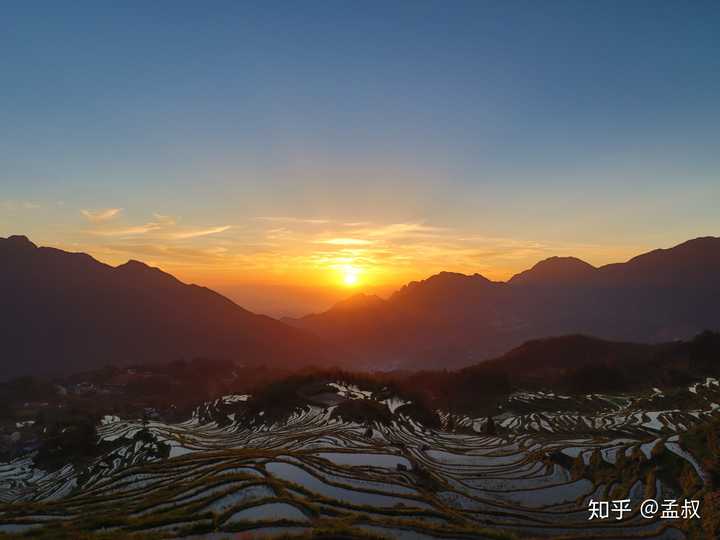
453 320
65 312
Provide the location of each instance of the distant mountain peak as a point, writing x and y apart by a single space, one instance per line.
700 241
358 301
138 270
443 279
133 264
435 291
18 240
456 276
555 270
690 248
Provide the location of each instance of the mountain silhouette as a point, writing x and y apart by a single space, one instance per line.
453 320
64 312
562 270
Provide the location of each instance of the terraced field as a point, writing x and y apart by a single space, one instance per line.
533 477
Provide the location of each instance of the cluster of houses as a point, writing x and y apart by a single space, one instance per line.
19 432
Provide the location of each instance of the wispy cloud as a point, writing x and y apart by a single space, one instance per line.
289 219
127 231
168 253
401 229
162 227
356 224
344 242
165 220
13 206
101 216
200 232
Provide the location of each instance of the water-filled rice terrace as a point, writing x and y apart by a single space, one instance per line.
530 476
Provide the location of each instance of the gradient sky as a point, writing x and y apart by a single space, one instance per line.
269 149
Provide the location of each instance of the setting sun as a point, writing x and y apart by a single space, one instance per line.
350 277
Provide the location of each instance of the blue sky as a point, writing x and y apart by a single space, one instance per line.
471 136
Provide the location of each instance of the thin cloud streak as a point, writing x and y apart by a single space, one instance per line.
203 232
344 242
101 216
290 219
128 231
163 227
13 206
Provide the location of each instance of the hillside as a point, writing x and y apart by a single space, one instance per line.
64 312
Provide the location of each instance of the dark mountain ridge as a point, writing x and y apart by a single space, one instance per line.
556 270
64 312
68 312
453 320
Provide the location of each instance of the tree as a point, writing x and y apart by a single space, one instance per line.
490 428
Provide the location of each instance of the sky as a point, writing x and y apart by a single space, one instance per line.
289 154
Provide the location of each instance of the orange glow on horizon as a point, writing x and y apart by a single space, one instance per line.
314 253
